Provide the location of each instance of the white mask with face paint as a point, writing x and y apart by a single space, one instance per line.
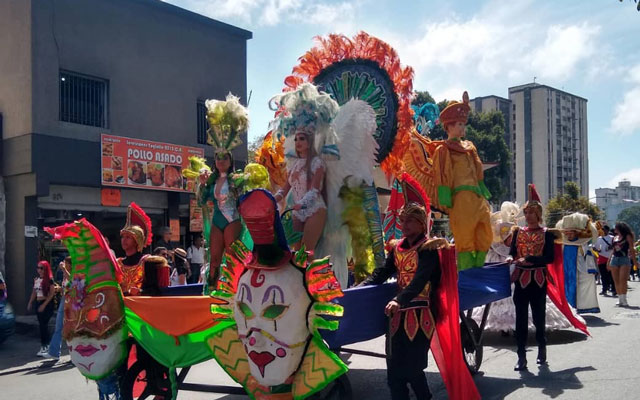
271 307
97 357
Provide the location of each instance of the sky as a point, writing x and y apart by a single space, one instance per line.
587 48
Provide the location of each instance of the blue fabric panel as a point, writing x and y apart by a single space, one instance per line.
569 264
480 286
194 289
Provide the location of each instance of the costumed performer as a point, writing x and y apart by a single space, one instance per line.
532 248
94 327
622 259
303 118
275 300
578 234
502 315
459 178
134 237
227 121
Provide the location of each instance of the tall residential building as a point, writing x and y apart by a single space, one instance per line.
497 103
613 201
550 140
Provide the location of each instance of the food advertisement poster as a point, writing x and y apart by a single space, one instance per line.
196 215
143 164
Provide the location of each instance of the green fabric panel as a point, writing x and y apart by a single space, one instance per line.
444 196
189 349
485 191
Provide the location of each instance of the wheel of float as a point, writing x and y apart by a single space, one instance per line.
471 352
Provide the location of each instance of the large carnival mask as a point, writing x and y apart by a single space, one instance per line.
271 308
93 308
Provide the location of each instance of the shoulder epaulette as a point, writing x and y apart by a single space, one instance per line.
434 244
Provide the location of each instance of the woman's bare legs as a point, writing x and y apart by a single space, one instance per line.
216 247
313 227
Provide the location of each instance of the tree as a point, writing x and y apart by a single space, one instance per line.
570 202
631 216
253 146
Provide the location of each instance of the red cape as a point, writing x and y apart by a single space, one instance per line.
555 289
445 343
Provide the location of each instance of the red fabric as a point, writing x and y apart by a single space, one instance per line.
163 276
445 344
555 289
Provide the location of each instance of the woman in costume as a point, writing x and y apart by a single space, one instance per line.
42 295
578 234
227 121
622 259
304 119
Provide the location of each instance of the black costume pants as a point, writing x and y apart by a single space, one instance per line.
195 273
607 279
536 297
406 361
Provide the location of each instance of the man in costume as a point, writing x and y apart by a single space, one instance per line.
459 178
532 248
134 236
415 260
94 325
578 232
272 307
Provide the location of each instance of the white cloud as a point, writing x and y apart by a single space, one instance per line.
626 117
632 175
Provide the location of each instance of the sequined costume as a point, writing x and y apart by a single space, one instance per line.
310 200
224 202
132 275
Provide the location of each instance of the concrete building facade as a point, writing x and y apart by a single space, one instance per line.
550 140
613 201
497 103
144 68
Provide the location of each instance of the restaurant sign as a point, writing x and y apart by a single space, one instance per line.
143 164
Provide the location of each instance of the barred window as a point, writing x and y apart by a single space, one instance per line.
202 122
84 100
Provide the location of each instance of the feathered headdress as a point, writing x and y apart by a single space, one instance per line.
227 120
139 225
504 219
426 117
534 201
309 111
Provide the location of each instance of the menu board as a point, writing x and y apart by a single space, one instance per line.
143 164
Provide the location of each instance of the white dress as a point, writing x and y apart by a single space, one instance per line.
310 200
502 315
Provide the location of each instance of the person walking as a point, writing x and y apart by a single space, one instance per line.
56 339
195 256
42 295
622 259
604 247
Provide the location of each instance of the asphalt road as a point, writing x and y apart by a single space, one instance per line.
603 366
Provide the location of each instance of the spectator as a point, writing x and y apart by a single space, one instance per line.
3 288
165 239
195 255
162 252
42 294
181 269
56 339
604 247
622 259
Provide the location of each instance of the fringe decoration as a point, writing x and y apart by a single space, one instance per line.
355 217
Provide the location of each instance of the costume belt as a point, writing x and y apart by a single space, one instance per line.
417 315
524 276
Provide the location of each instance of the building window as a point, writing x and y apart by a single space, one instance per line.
84 100
202 122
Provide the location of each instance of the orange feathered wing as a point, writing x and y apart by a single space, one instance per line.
418 163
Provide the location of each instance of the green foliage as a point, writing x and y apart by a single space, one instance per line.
568 203
420 98
631 216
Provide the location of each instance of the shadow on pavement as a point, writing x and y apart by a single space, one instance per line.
495 339
552 383
596 322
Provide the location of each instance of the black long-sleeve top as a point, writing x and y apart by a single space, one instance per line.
538 261
428 270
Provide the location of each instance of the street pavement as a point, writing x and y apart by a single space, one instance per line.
603 366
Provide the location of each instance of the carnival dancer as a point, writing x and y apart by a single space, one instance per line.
578 233
532 248
272 307
416 261
459 178
134 237
304 120
94 327
227 121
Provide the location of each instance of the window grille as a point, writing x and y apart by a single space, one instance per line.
84 100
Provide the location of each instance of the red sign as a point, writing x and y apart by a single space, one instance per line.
111 197
143 164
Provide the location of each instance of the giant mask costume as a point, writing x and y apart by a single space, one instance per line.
276 299
93 309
